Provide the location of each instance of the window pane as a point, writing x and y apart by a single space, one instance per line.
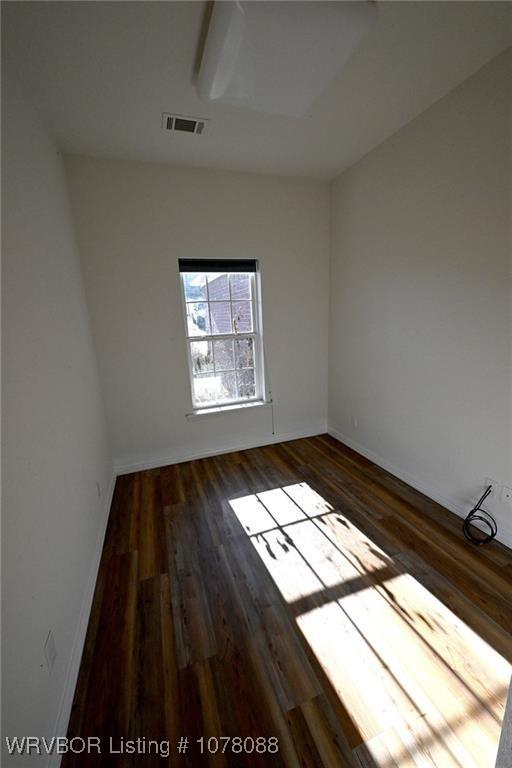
218 287
194 284
202 358
240 286
244 349
215 388
198 321
242 316
224 359
228 385
246 384
206 389
221 317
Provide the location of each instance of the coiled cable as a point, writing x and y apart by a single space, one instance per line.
488 530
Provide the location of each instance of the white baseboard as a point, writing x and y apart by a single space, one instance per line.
454 505
178 457
68 693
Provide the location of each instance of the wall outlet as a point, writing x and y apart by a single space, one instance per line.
355 422
98 489
50 651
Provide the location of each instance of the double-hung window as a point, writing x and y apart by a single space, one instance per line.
223 331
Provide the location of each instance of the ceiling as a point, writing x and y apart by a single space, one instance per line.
103 73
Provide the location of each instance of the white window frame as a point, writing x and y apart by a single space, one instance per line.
255 335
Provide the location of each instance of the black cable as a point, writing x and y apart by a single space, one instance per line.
475 534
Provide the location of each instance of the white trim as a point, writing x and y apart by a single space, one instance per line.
200 412
66 701
180 456
452 504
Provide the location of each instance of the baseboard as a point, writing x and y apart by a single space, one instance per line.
242 445
453 505
68 693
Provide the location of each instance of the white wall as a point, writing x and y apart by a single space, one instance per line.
421 299
134 220
54 433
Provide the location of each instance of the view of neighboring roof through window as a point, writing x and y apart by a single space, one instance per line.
222 332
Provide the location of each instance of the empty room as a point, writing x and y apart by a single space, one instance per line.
256 384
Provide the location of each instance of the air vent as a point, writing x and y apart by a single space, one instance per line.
183 123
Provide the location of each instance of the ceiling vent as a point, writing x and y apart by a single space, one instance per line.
183 123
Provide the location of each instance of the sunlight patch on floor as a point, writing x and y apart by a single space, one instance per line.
400 661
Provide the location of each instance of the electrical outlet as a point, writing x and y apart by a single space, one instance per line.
355 422
50 651
506 495
98 489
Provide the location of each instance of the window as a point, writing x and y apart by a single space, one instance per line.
221 306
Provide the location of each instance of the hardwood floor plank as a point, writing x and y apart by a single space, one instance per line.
170 673
106 712
151 533
302 737
327 733
148 716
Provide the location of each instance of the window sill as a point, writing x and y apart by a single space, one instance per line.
201 412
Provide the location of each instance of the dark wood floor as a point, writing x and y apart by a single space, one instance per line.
296 591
